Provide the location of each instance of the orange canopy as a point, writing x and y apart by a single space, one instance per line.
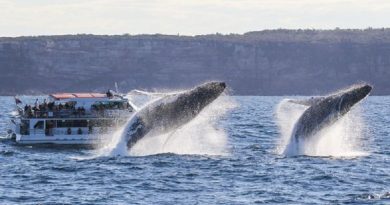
60 96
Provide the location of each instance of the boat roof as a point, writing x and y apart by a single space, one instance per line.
61 96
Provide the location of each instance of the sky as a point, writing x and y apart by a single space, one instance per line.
185 17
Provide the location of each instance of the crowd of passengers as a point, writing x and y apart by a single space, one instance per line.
118 105
43 109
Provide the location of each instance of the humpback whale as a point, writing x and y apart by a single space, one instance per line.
323 112
171 112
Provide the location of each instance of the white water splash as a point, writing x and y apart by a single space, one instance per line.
342 139
201 136
13 113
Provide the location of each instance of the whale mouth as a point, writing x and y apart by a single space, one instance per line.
217 84
219 87
211 89
222 84
354 95
366 89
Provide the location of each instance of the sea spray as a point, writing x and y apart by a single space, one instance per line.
287 114
140 98
201 136
341 139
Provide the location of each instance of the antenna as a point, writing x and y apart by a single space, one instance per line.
116 88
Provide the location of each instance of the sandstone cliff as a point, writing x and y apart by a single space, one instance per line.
274 62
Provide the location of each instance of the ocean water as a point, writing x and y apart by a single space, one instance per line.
231 154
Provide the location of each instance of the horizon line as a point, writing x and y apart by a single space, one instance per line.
206 34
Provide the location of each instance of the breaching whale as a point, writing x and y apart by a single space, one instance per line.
323 112
171 112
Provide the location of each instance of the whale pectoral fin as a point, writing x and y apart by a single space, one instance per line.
307 102
136 132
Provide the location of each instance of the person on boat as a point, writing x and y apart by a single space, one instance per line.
41 107
36 104
35 109
78 111
109 94
30 112
45 105
50 106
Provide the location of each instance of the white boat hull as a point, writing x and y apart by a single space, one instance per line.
63 139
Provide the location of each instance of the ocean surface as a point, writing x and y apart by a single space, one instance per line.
231 154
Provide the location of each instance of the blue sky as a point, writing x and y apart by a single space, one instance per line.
185 17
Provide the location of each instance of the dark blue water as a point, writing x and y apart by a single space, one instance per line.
252 172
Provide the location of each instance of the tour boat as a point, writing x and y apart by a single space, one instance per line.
72 118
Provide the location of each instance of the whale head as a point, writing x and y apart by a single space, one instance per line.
351 96
205 93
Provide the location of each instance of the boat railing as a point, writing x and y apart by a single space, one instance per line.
76 114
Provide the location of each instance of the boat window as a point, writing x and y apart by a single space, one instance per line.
101 123
63 123
94 123
39 125
24 127
80 123
110 105
72 123
50 124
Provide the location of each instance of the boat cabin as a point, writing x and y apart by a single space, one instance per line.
76 118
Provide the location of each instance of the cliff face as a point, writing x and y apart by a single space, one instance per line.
280 62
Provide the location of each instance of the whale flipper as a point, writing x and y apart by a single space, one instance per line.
307 102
